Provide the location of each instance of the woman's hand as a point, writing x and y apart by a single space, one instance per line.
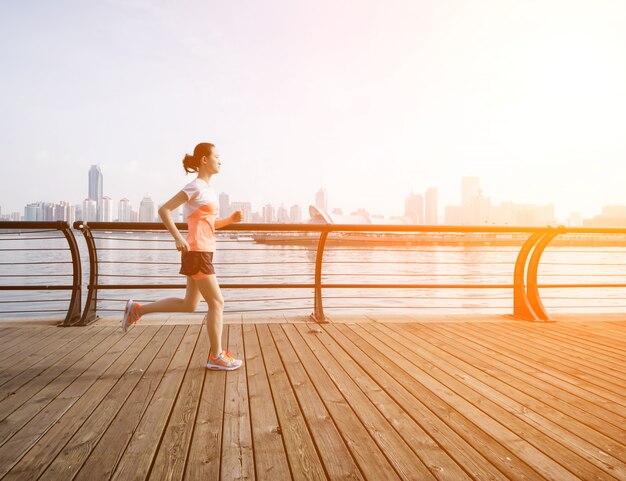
182 245
236 216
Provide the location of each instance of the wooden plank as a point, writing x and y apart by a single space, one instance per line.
139 454
600 369
424 414
95 363
20 336
270 458
205 451
576 394
333 357
22 387
334 443
32 465
12 335
28 352
542 367
515 374
105 456
69 461
320 365
172 454
579 456
608 337
39 403
528 443
304 460
237 453
470 425
591 340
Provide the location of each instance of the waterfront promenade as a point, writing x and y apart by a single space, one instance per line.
363 397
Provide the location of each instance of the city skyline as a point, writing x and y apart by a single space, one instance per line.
419 208
369 101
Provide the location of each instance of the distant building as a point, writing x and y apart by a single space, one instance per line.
32 212
321 200
431 209
95 189
414 208
611 216
123 210
453 215
107 209
255 218
225 207
295 214
90 210
268 214
575 219
281 215
146 210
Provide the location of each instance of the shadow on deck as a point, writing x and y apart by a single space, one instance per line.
407 399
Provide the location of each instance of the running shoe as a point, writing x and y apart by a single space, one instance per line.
130 314
224 362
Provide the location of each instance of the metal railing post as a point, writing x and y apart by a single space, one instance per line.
521 306
318 313
90 313
533 267
74 308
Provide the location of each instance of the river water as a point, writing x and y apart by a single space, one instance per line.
151 258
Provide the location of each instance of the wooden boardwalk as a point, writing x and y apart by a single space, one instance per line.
360 401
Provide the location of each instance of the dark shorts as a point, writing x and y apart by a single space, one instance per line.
198 265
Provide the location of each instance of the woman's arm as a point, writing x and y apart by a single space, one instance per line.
236 216
165 212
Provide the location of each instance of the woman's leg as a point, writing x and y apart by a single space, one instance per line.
210 290
174 304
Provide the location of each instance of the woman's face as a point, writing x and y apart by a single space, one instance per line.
213 163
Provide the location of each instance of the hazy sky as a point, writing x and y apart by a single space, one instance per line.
371 100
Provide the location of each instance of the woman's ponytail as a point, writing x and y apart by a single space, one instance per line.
190 164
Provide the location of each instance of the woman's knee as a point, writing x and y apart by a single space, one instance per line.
216 303
190 306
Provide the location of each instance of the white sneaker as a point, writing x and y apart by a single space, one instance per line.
224 362
130 314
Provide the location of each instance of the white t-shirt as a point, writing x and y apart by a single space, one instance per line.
201 211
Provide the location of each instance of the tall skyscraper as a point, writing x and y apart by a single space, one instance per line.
123 210
414 208
321 200
95 189
146 210
432 212
225 207
268 214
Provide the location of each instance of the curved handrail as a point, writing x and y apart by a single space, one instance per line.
74 306
533 268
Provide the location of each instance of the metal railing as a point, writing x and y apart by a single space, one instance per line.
15 247
308 258
526 299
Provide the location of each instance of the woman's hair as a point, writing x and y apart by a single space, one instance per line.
191 163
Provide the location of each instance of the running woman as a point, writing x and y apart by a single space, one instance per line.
201 207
